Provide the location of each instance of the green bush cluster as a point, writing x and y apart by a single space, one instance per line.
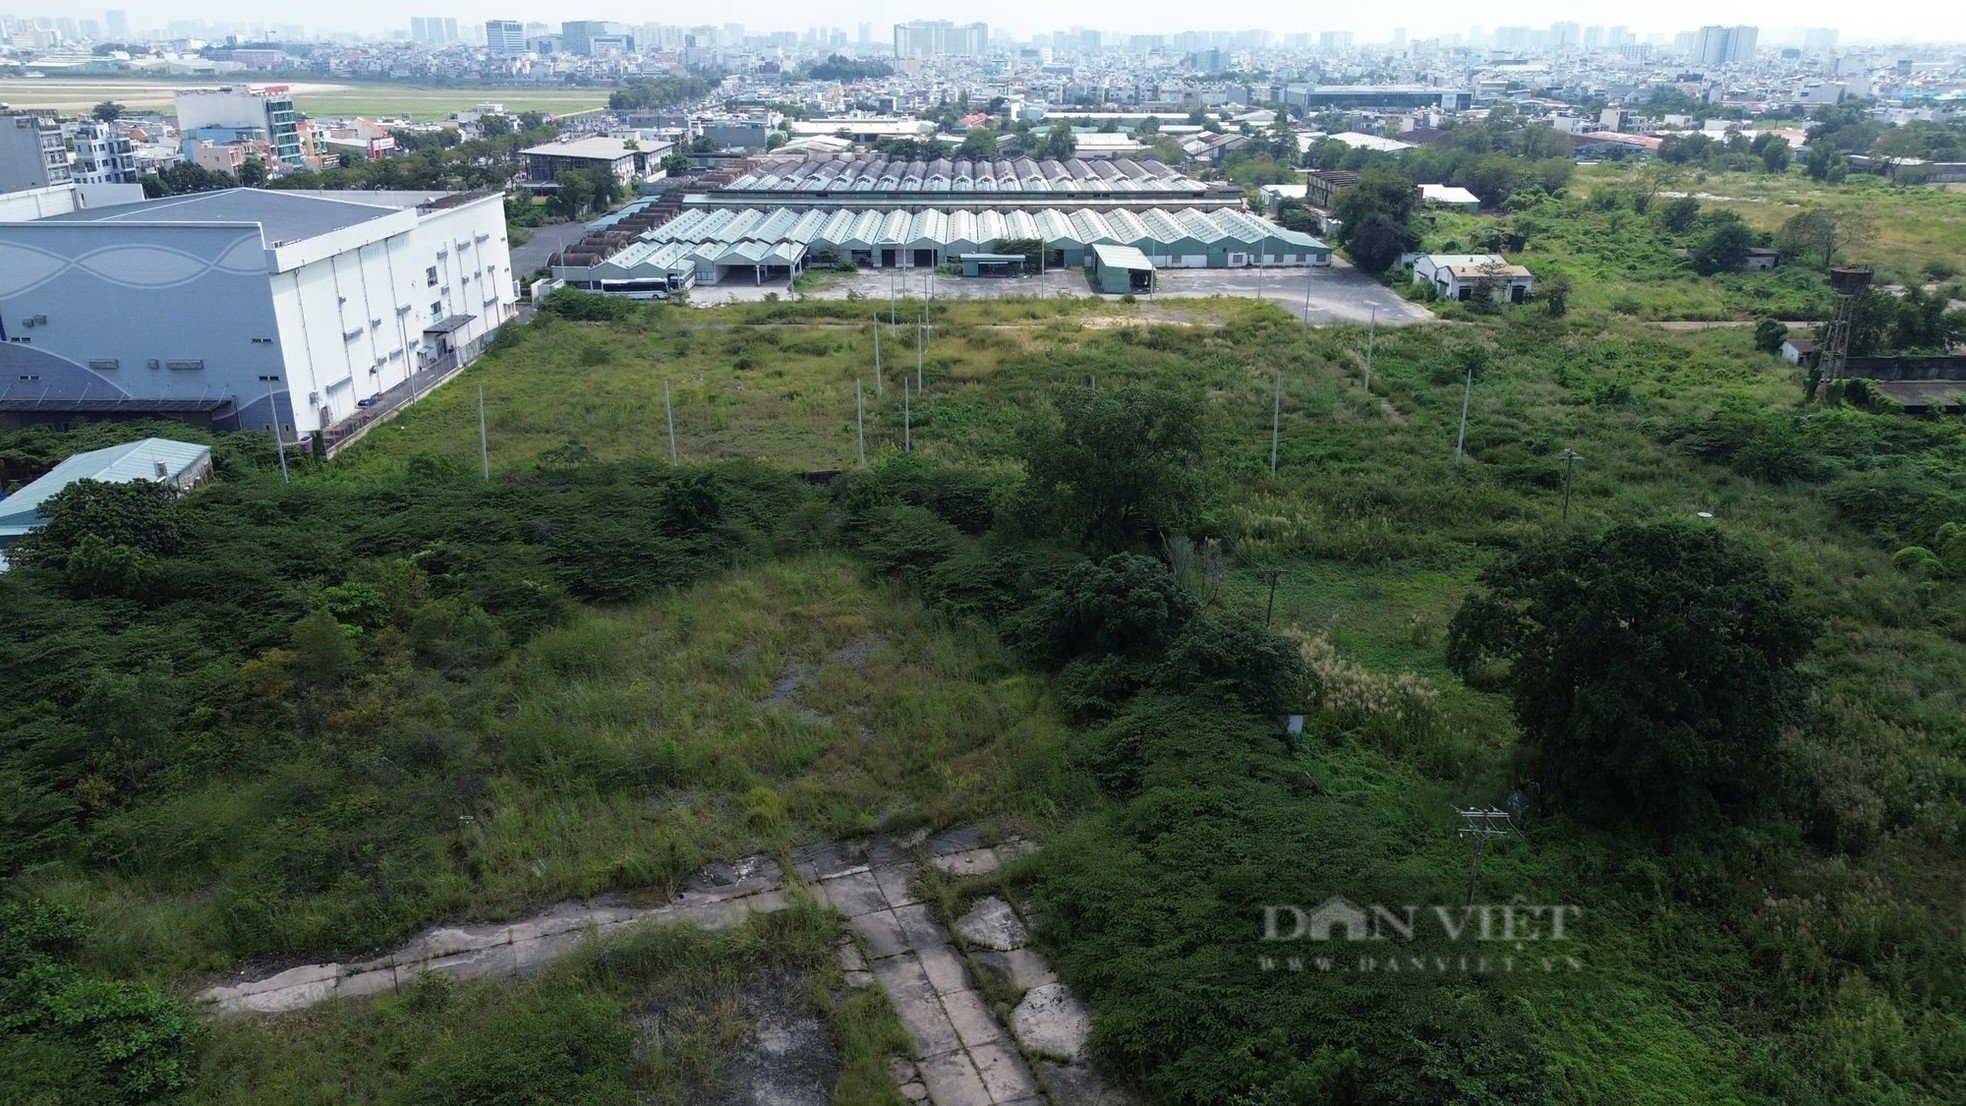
69 1037
327 647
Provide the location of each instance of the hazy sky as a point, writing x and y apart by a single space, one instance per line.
1901 20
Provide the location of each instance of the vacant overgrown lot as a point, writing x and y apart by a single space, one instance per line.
616 671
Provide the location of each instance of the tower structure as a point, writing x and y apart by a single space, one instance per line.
1846 282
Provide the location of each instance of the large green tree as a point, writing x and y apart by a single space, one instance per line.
1651 668
1819 233
1116 468
1722 244
1376 217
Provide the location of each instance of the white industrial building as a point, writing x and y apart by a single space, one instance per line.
247 308
1459 276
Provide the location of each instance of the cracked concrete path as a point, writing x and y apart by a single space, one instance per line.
963 1054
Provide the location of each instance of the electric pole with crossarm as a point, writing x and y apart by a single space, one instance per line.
1482 825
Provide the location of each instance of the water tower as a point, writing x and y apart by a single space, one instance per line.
1846 281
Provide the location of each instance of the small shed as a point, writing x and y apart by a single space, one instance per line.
991 264
183 465
1120 269
1797 351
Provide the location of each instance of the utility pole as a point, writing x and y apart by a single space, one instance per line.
907 420
859 423
891 274
1276 421
484 443
1481 825
1467 391
1307 296
1272 575
1570 459
877 356
279 440
669 417
921 339
1371 331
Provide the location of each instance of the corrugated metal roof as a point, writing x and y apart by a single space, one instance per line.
773 236
119 464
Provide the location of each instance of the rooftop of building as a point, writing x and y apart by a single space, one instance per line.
598 147
874 173
284 215
118 464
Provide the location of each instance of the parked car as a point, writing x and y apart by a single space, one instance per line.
369 402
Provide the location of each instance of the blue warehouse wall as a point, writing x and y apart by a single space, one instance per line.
122 304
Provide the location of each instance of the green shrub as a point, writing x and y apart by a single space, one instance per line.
588 307
80 1038
905 540
1237 657
1127 603
568 1048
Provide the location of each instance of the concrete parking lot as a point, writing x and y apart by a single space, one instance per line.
544 243
1338 293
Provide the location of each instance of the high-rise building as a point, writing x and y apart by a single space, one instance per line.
505 38
1818 40
118 23
1335 40
32 153
450 30
1718 45
419 29
588 37
931 38
233 112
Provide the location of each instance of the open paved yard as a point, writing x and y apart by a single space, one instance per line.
1338 293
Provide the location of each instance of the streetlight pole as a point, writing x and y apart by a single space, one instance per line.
1276 421
1371 332
669 417
280 441
1467 392
484 442
1570 459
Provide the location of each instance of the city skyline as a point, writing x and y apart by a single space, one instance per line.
1021 21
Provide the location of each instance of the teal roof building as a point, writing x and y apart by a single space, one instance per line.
183 464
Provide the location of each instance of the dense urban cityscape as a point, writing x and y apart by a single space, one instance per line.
601 561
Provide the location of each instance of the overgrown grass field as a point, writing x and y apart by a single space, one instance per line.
1810 958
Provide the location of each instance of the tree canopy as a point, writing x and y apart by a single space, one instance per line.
1377 219
1651 668
1116 468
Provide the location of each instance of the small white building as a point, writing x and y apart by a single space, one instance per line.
1797 351
1447 195
1275 194
1458 276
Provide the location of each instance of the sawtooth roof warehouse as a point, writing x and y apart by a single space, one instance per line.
764 221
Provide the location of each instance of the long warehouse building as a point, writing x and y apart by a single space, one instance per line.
709 245
766 219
